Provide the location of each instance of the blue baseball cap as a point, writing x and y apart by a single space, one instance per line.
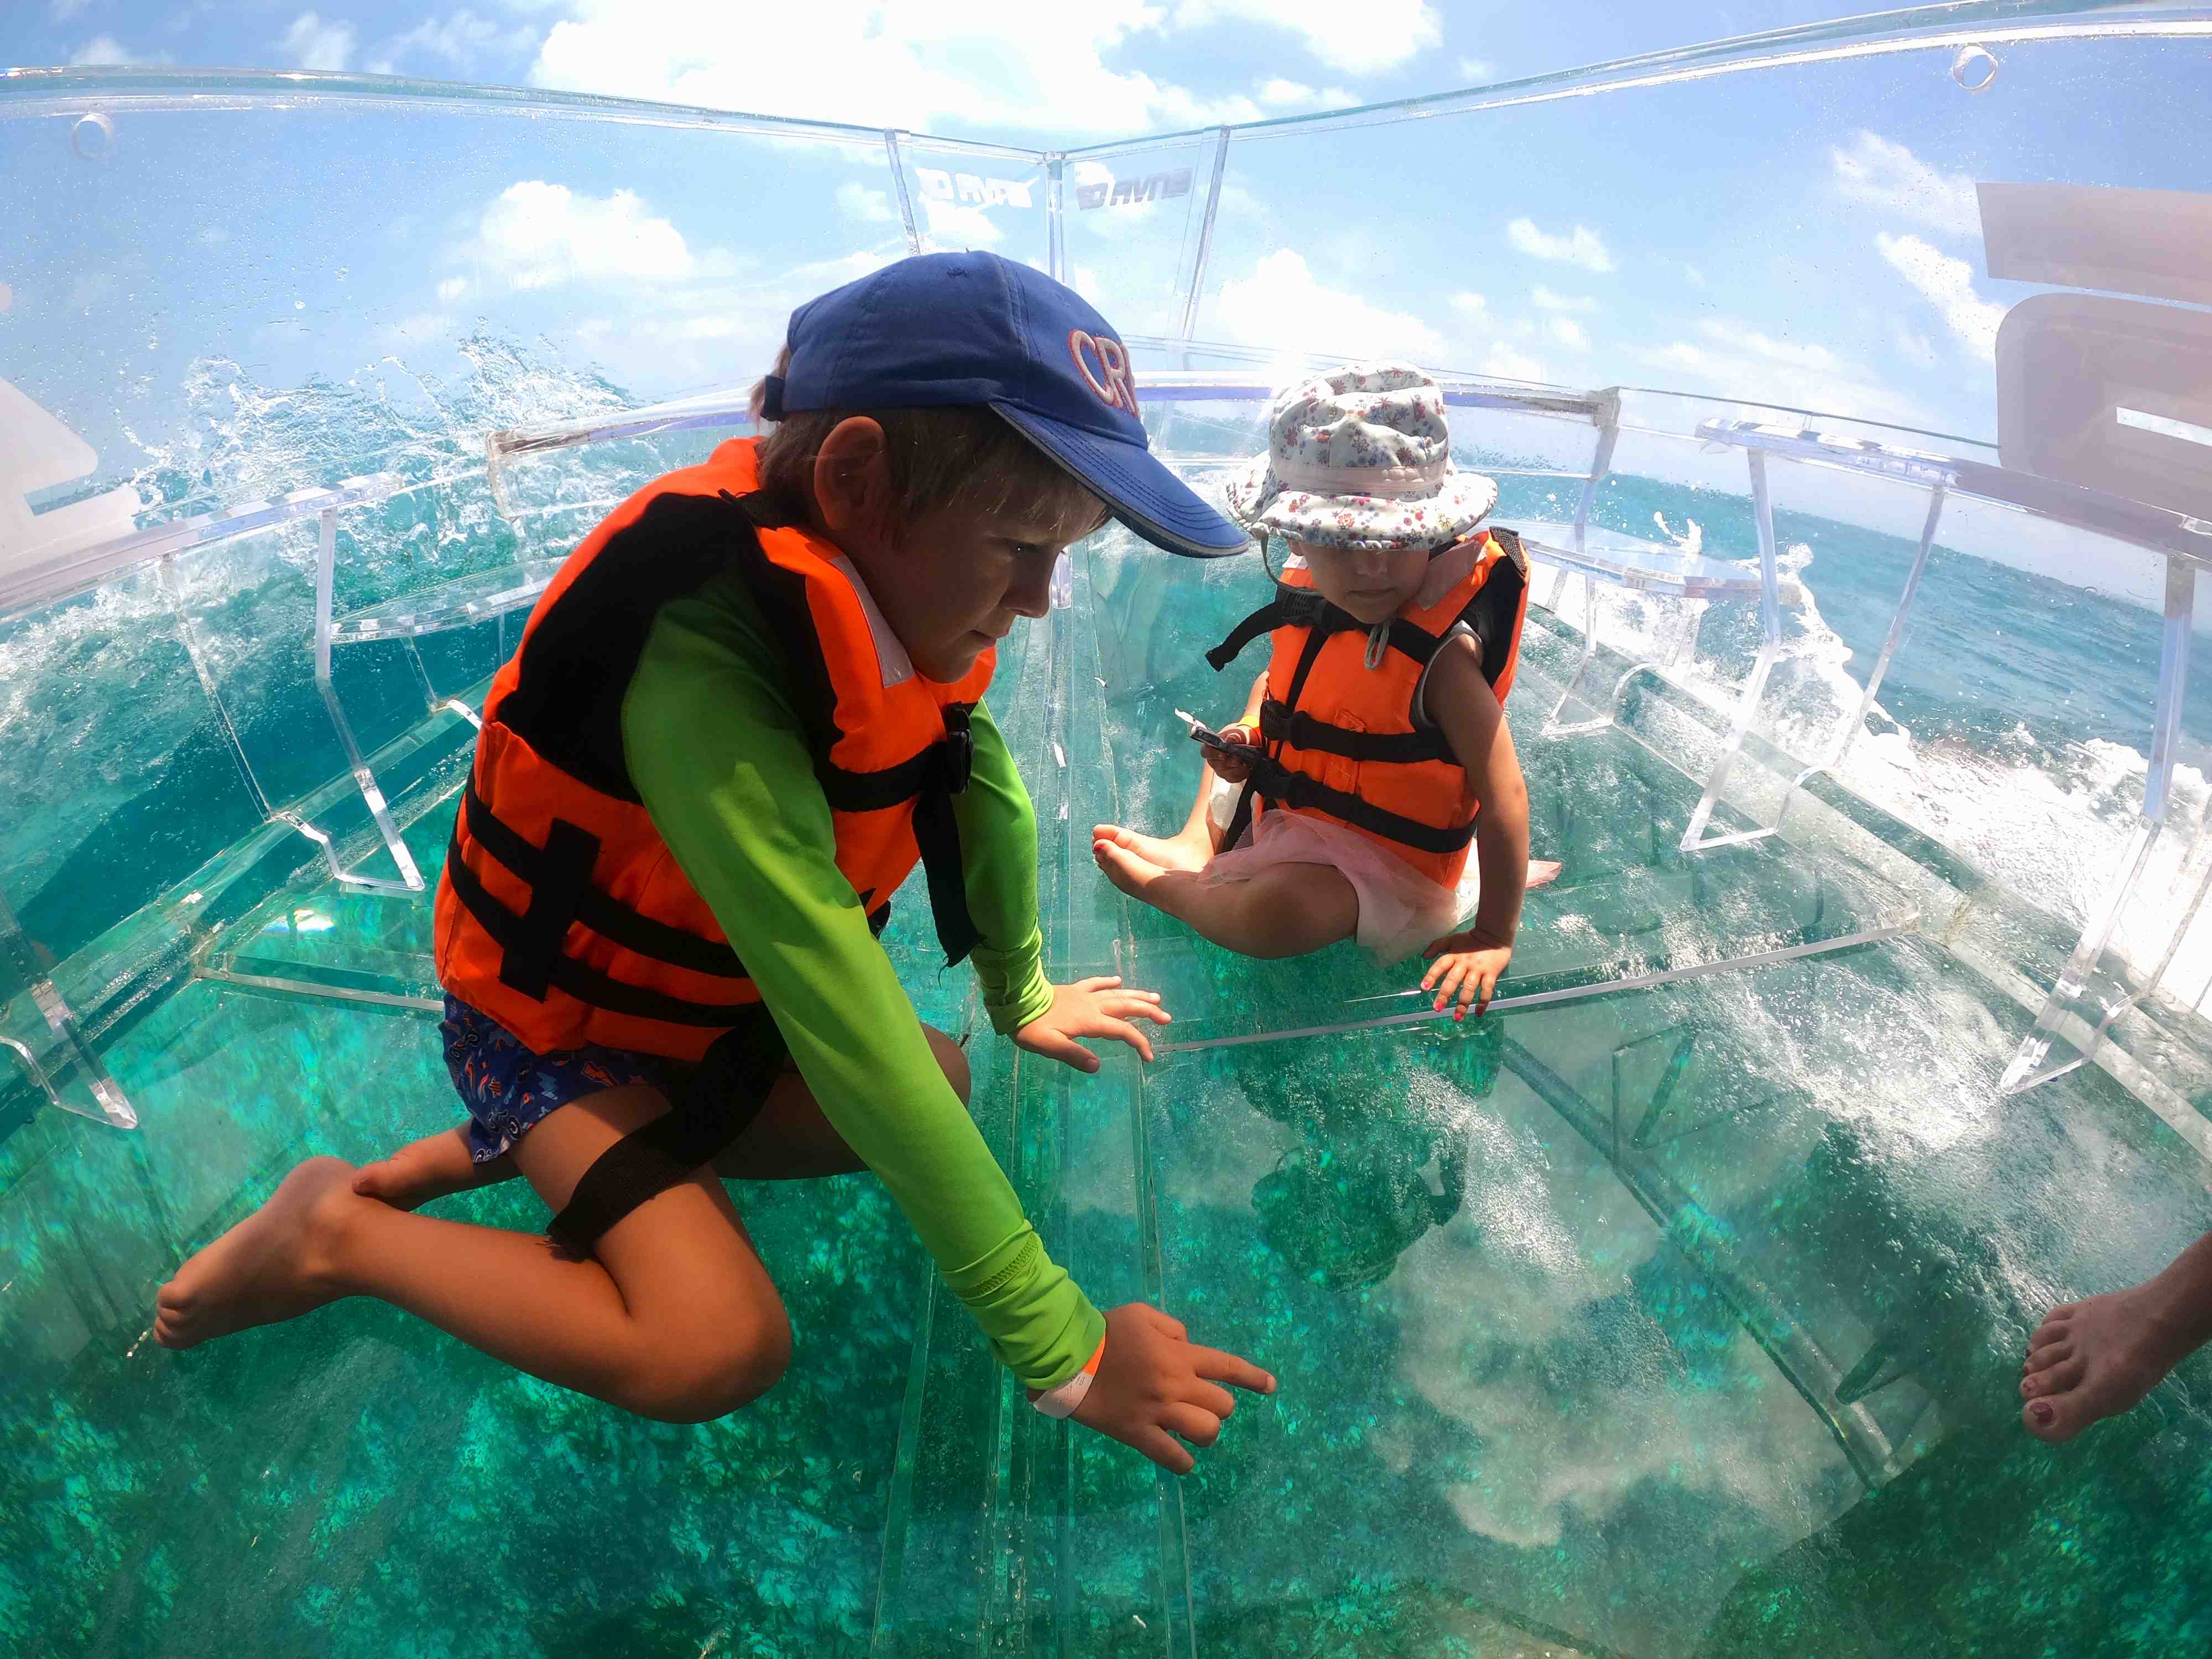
943 329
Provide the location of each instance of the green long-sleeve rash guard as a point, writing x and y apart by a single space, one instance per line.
718 755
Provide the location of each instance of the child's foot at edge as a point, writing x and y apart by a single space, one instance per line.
429 1168
278 1263
1186 851
2099 1357
1129 870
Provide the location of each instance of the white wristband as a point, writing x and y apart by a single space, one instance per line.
1062 1400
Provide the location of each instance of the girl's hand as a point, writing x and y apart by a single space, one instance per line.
1155 1383
1466 966
1234 768
1091 1008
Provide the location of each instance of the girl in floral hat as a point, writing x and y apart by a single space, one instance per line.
1373 753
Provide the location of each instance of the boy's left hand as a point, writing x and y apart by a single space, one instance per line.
1465 965
1090 1008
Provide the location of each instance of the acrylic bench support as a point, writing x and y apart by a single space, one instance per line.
160 546
2087 1000
1756 440
107 1101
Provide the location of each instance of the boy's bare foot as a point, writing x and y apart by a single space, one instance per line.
429 1168
278 1263
1190 850
1127 869
2096 1358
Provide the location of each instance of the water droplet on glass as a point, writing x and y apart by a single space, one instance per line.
1974 68
92 137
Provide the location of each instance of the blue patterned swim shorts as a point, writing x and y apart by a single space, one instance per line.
509 1087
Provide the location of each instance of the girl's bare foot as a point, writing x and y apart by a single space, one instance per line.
1127 869
1190 850
1542 872
429 1168
2096 1358
278 1263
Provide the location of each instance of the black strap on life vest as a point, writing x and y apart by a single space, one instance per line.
930 780
532 961
1279 723
569 896
558 875
714 1106
1271 780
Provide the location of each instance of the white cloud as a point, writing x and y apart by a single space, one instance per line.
1472 305
1374 35
1569 333
856 201
101 49
1732 359
1948 285
1280 93
461 40
315 45
1697 278
960 225
1510 364
1547 300
1478 71
1582 247
1880 173
1283 304
987 63
537 236
1773 350
1913 346
452 288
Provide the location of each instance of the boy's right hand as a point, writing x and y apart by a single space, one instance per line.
1234 768
1155 1383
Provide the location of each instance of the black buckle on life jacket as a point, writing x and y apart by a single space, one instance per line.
952 758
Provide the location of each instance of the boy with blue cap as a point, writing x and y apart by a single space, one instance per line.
748 705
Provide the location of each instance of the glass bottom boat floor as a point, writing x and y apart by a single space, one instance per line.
1647 1315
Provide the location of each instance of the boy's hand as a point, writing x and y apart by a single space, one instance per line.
1465 965
1234 768
1155 1383
1090 1008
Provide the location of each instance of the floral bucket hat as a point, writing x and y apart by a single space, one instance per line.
1360 456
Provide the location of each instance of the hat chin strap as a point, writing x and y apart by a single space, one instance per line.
1392 483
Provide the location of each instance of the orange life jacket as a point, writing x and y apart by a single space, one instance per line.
1337 730
561 913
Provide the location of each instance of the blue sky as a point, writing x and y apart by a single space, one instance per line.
1806 236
